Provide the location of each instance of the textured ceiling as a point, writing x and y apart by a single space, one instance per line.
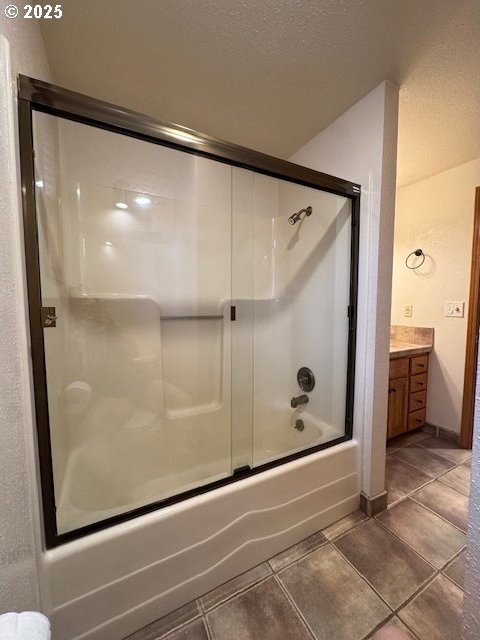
271 74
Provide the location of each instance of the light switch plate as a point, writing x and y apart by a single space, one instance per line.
454 309
408 310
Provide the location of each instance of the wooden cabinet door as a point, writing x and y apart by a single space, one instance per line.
397 406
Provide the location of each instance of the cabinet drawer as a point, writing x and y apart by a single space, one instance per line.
398 368
418 383
417 401
416 419
419 364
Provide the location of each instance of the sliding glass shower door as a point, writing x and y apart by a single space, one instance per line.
291 267
135 264
192 309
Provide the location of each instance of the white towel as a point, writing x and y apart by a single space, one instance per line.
28 625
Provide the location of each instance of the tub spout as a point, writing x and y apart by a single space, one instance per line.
294 402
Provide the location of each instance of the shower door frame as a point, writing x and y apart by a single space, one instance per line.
36 95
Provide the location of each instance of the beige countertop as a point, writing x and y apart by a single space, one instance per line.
410 341
406 350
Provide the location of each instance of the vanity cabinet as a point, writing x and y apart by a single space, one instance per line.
407 394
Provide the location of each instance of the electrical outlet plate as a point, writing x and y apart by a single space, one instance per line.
454 309
408 311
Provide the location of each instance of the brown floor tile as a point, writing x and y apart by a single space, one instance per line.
332 597
345 524
397 624
193 631
168 623
448 503
458 478
261 613
446 449
456 570
424 460
299 550
390 566
402 478
436 613
234 586
406 439
433 538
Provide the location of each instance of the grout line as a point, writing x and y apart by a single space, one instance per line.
417 468
405 542
363 578
295 607
453 582
207 628
423 585
418 552
238 593
412 497
467 495
307 553
434 451
423 470
354 526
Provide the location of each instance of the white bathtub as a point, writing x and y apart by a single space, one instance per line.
117 470
108 584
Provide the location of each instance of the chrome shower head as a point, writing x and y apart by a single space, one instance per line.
295 217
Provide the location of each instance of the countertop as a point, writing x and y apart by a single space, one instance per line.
410 341
405 349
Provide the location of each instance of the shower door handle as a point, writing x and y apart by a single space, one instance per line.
49 317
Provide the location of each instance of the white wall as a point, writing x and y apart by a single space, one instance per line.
361 146
20 42
436 215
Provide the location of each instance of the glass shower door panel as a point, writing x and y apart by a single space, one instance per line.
135 259
301 292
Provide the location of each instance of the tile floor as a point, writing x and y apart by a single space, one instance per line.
404 567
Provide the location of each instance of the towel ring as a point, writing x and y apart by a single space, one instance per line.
417 252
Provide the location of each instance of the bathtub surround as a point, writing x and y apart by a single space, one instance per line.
181 404
437 214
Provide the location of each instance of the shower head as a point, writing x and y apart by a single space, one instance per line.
295 217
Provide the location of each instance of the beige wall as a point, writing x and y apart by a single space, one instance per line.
436 214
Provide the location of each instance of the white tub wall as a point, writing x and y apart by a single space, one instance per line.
315 286
361 146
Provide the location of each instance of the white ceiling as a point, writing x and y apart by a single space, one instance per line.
271 74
